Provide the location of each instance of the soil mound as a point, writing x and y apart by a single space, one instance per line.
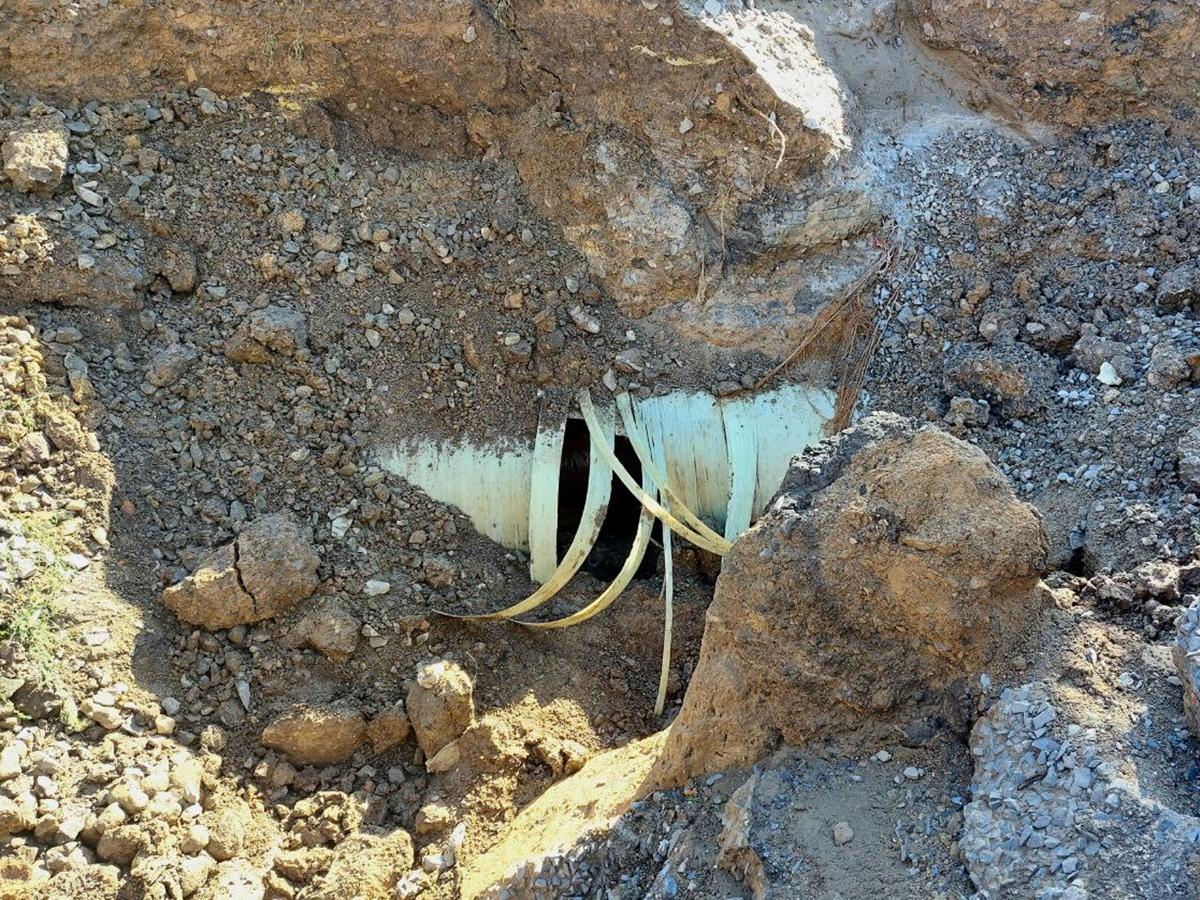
894 566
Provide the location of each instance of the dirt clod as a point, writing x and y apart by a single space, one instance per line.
440 705
316 735
35 155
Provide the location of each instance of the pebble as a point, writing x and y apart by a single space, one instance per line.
376 588
89 196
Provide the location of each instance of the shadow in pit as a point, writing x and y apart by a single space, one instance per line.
112 637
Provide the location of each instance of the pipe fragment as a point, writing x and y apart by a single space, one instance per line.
716 544
595 505
543 500
641 541
668 594
641 449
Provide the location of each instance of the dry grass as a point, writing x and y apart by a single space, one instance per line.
852 313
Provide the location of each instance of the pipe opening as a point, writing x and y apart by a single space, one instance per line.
620 523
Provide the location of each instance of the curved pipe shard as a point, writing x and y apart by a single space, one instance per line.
717 544
641 449
742 447
641 541
543 501
668 593
595 505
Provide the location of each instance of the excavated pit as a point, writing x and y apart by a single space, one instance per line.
311 296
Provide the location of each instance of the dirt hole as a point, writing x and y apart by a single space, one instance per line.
620 523
1081 563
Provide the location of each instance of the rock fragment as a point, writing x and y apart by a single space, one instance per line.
304 864
366 866
178 266
440 705
103 713
562 755
34 449
277 561
331 631
736 854
1168 366
237 877
120 844
169 364
1188 458
1011 376
1178 288
1108 375
212 596
291 222
10 761
35 155
1091 352
274 329
316 735
967 412
842 834
17 814
445 759
388 729
227 827
1186 653
270 566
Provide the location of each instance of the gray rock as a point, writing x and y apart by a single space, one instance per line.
1186 653
842 833
1188 450
1013 376
169 364
1168 366
1092 351
1042 785
967 412
1179 287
